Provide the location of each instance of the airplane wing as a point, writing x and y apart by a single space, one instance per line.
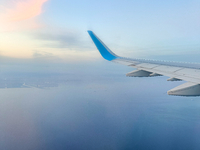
150 68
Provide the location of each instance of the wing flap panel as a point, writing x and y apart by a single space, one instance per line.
167 68
189 72
147 65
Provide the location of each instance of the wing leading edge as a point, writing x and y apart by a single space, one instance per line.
151 68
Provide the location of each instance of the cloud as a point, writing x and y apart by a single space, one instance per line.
63 39
21 15
43 56
24 10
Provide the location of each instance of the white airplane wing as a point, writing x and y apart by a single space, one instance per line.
149 68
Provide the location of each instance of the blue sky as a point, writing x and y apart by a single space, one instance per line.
57 29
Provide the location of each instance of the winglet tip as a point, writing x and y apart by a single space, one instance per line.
89 31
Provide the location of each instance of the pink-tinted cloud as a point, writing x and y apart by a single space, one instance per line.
21 16
24 10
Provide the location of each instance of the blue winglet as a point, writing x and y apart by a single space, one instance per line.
103 49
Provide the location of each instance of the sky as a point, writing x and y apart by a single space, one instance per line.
56 31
